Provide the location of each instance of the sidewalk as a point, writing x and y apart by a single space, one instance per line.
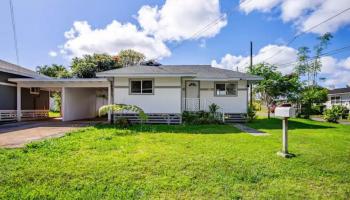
249 130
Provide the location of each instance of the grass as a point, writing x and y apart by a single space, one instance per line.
182 162
54 114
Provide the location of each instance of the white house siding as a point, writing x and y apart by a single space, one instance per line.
344 100
166 97
78 103
230 104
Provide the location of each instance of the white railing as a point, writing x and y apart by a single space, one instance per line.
11 115
193 104
345 103
196 104
8 115
34 114
201 104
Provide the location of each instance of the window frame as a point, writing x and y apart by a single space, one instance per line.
336 99
226 83
141 80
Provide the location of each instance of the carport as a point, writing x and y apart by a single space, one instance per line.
80 97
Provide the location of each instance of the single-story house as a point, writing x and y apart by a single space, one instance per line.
172 89
35 101
340 96
163 92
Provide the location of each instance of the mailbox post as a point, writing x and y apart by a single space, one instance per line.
285 113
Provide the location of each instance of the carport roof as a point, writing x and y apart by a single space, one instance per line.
67 82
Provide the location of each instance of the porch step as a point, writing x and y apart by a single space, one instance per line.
235 118
153 118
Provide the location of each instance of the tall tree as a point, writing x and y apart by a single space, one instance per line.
311 67
312 95
129 57
89 65
303 67
317 65
269 87
55 71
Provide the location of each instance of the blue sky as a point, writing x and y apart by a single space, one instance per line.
41 26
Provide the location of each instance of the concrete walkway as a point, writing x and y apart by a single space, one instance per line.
319 119
249 130
18 134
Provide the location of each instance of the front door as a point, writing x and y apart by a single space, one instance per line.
192 101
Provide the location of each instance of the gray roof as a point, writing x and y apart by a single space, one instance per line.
196 71
339 90
15 69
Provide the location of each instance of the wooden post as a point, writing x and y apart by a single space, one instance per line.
285 135
284 153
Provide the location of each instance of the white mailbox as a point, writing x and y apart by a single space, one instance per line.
285 112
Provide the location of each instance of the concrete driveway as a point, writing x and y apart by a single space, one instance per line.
18 134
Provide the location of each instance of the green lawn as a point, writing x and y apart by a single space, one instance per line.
182 162
54 114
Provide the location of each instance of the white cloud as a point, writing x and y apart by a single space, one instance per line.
329 64
53 53
82 39
263 6
232 62
178 20
286 55
345 63
305 13
336 71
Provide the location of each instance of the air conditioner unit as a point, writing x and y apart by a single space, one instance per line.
35 91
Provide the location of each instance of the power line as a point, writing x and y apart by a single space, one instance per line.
332 52
14 30
304 32
207 27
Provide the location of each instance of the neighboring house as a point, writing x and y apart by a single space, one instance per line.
35 101
340 96
163 92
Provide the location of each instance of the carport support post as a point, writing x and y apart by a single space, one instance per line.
19 103
109 103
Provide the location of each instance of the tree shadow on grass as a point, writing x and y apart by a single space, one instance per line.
185 129
275 123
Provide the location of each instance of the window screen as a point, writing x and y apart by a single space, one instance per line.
226 89
141 87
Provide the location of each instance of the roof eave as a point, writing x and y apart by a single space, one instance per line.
146 75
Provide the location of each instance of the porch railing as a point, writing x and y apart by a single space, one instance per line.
196 104
8 115
11 115
34 114
201 104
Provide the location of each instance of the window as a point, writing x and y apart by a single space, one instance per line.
35 91
335 99
225 89
141 86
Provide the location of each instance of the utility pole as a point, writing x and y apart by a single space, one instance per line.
251 69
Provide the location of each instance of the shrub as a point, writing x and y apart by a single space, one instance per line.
333 114
200 117
122 123
251 113
317 109
213 108
345 113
